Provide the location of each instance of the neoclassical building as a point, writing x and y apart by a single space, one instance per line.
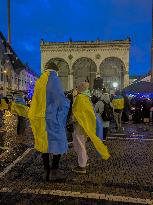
86 60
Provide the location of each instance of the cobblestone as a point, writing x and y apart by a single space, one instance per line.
125 173
128 173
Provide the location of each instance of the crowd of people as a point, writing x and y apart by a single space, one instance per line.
56 116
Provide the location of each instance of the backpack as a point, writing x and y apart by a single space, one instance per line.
107 113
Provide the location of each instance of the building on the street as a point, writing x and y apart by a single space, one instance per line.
86 60
14 75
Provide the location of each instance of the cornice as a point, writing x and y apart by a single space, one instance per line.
86 43
83 49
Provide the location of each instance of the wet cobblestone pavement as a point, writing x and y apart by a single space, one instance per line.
32 199
128 174
12 145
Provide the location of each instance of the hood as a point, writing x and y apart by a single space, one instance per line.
105 97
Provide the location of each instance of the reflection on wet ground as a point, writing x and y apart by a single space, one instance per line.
130 130
32 199
11 144
126 173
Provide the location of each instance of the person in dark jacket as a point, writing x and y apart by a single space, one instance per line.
126 109
146 105
21 123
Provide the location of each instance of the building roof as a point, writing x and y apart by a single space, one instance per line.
12 56
15 61
87 43
140 87
29 70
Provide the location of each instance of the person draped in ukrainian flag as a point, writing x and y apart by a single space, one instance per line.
118 104
87 124
48 113
19 107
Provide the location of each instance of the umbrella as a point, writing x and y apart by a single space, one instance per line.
139 87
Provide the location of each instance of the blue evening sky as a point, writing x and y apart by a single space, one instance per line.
57 20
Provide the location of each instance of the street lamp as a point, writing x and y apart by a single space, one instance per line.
5 72
115 85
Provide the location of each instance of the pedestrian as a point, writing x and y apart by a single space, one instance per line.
1 110
85 126
69 124
126 109
48 113
146 105
118 104
136 110
151 113
105 110
19 107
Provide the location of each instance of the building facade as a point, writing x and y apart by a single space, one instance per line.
14 75
86 60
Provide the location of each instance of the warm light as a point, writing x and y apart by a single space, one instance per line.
115 84
5 71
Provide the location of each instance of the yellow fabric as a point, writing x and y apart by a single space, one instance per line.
84 114
19 109
37 114
118 103
3 105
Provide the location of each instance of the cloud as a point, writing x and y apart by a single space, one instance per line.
57 20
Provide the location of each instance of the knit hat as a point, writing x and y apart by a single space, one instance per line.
51 65
83 86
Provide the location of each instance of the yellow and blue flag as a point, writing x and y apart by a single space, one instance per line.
48 113
19 107
84 114
3 105
118 102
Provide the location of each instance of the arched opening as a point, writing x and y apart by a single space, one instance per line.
63 71
112 71
84 70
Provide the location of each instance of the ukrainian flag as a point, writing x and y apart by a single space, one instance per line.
48 113
84 114
3 105
118 102
19 107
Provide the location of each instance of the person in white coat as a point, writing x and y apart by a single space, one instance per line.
100 106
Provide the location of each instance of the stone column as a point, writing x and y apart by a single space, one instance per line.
70 75
98 69
126 79
70 81
97 74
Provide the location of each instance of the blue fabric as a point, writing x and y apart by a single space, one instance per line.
20 100
99 124
99 127
118 97
99 130
57 107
